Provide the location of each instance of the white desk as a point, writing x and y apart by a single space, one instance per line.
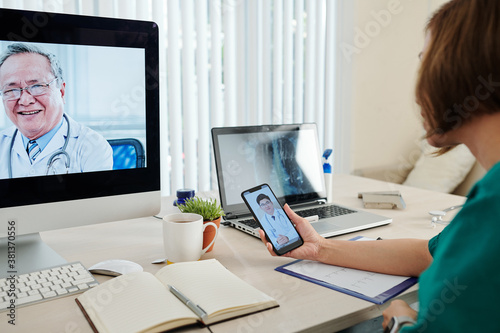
303 305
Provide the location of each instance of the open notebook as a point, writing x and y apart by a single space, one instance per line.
143 302
288 158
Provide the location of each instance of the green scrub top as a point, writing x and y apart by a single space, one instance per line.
459 291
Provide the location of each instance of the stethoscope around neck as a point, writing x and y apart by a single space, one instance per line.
53 158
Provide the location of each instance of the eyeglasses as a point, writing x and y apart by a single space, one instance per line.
266 203
34 90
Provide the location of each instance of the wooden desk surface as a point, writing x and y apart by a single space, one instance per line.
303 305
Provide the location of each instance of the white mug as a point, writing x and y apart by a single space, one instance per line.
183 237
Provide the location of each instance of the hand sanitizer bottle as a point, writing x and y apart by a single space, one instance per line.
327 172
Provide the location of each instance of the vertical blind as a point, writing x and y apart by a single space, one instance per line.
228 63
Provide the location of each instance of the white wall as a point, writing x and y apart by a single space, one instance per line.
383 53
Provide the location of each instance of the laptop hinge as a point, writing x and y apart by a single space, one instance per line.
230 216
305 204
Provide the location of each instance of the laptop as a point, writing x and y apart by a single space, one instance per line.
288 158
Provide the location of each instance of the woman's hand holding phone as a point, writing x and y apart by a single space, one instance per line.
312 240
267 211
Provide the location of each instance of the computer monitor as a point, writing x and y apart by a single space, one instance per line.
109 89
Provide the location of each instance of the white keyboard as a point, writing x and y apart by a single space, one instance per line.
45 285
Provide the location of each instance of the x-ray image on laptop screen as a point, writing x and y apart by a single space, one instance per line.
284 157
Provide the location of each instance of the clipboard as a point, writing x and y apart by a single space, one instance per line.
383 286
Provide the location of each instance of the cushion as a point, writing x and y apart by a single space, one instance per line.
440 173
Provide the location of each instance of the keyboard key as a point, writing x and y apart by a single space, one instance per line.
44 290
24 289
61 291
87 280
29 299
66 285
49 294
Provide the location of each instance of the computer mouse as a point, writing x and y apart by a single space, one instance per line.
115 267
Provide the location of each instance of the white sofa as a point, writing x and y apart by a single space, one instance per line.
454 172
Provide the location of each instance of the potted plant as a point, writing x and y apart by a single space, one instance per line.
211 212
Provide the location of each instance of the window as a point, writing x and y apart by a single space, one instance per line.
229 63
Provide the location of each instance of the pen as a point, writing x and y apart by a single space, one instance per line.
195 308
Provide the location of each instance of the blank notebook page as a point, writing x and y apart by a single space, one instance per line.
209 284
145 303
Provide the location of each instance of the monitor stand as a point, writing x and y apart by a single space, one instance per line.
28 253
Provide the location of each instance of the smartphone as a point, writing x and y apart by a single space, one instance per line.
268 212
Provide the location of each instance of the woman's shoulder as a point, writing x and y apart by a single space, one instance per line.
481 210
489 185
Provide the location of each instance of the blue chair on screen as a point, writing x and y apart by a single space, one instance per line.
127 154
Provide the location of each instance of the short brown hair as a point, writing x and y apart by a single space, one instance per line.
459 77
261 197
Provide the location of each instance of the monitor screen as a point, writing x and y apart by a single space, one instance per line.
96 97
79 121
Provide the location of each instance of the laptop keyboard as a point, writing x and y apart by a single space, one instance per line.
322 212
325 211
251 223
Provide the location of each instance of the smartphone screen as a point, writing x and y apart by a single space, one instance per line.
269 213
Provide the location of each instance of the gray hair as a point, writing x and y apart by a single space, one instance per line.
18 48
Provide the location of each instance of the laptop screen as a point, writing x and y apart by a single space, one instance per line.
287 157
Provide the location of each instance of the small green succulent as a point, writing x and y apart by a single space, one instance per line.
209 209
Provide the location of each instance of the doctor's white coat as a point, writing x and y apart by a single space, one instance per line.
87 149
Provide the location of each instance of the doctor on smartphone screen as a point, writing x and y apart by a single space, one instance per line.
267 211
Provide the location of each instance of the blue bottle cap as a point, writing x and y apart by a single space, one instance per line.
185 193
182 195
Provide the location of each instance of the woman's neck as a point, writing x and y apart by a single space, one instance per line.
482 137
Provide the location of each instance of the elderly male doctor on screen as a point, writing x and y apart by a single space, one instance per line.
276 220
43 140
